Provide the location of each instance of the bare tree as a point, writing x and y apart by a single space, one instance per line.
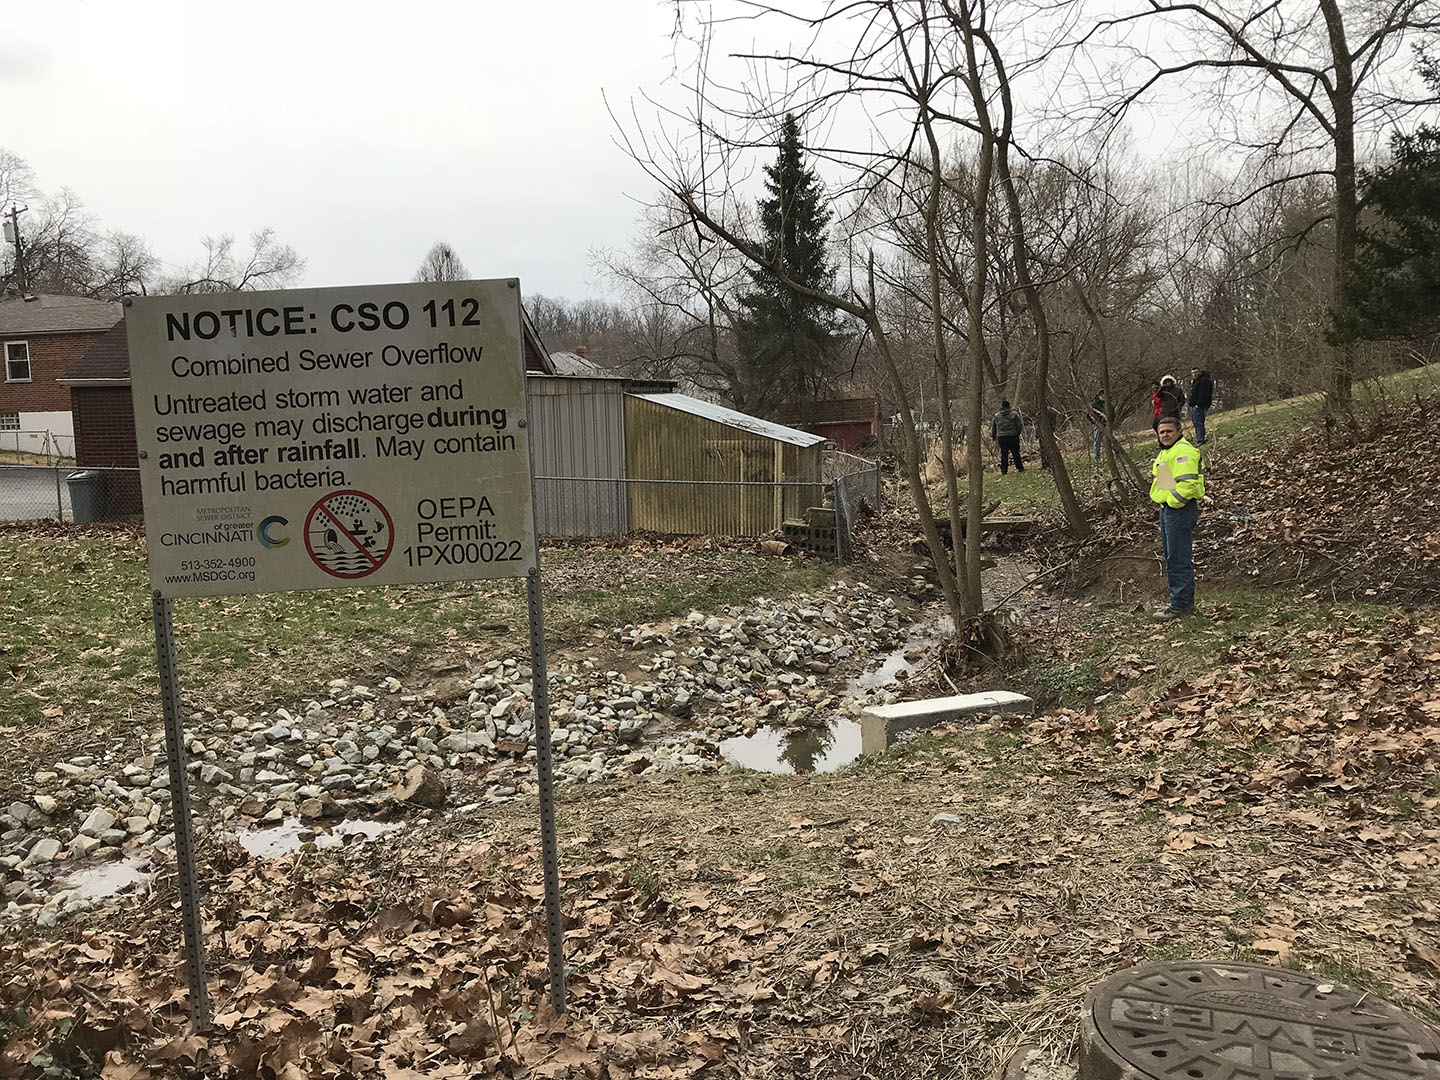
903 61
17 179
1327 83
441 264
682 287
268 264
67 252
985 63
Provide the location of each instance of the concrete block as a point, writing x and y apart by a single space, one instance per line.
881 723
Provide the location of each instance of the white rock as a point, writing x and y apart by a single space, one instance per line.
96 822
44 851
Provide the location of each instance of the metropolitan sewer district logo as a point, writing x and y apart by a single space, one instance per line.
349 534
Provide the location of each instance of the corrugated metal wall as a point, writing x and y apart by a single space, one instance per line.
667 444
578 430
803 463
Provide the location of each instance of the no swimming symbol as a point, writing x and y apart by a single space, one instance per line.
349 534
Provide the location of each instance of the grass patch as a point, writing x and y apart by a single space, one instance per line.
1067 680
1244 430
76 632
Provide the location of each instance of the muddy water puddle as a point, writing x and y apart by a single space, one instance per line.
826 749
920 643
777 750
108 879
292 833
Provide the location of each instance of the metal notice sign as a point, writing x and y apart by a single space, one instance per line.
325 438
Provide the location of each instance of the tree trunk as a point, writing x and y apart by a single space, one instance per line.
968 570
1342 99
1114 452
1074 515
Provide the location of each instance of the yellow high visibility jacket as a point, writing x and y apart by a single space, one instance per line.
1187 468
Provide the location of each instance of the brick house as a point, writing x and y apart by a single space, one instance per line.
847 421
99 387
40 338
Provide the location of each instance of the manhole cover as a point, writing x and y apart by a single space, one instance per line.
1218 1021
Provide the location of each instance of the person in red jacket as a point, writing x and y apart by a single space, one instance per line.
1155 404
1172 398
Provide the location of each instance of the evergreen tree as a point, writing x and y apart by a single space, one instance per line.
788 343
1396 276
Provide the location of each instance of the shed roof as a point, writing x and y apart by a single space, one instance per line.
49 314
731 418
537 357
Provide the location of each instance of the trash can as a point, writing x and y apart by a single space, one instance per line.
87 495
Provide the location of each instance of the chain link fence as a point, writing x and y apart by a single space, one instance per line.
24 445
68 493
854 484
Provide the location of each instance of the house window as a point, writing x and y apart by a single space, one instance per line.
9 421
17 361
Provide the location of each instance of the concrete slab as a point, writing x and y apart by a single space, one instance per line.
881 723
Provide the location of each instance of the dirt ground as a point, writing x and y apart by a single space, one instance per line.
920 917
1258 784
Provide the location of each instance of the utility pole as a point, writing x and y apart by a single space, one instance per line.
12 235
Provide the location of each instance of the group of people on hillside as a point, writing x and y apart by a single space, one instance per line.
1177 475
1167 399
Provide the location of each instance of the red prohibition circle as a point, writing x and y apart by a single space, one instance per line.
343 552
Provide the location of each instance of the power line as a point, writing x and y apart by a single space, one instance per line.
12 235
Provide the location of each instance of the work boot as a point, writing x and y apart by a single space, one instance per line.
1170 614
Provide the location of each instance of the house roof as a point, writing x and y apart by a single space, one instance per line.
48 314
569 363
856 407
731 418
537 357
107 361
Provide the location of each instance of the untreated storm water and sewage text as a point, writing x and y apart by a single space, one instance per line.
384 435
230 442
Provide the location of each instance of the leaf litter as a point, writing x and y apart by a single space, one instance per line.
921 915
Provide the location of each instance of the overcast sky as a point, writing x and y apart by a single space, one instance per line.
361 132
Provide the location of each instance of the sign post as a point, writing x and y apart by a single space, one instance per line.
180 813
333 438
549 847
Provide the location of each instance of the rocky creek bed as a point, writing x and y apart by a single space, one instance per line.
334 766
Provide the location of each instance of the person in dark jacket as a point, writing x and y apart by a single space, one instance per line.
1172 398
1202 392
1005 429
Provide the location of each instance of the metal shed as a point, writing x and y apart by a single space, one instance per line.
731 474
578 433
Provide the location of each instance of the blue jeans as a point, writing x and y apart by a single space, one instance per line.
1197 421
1177 538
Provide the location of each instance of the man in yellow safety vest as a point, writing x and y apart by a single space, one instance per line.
1177 485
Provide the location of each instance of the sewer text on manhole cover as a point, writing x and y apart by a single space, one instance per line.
1219 1021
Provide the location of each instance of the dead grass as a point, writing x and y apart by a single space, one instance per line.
822 926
